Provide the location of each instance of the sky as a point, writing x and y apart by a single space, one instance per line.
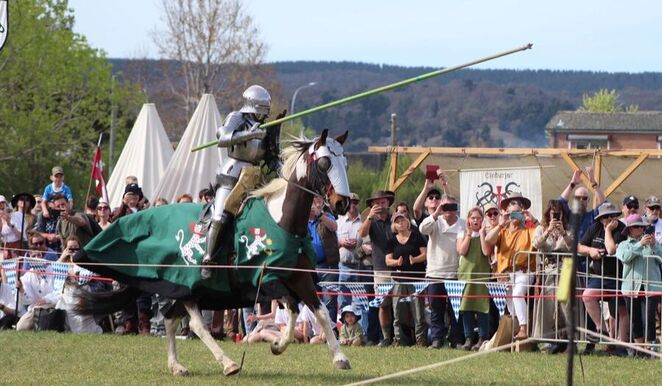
606 35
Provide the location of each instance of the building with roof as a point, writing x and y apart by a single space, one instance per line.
610 131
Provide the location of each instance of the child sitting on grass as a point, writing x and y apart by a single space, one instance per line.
351 332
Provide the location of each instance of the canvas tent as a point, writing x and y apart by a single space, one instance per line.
189 172
145 155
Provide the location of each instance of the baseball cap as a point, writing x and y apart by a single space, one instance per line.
3 199
433 191
630 200
57 170
133 188
653 201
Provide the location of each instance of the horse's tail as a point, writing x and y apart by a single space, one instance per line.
103 303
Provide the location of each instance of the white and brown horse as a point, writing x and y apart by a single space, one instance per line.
310 167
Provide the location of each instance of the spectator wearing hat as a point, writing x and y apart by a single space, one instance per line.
9 231
20 219
351 332
57 185
132 196
442 227
511 237
136 315
630 206
377 225
599 243
640 274
406 255
652 212
348 242
582 196
425 202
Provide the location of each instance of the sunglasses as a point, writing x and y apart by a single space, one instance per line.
654 207
355 202
583 198
38 244
102 208
632 206
492 213
434 197
74 249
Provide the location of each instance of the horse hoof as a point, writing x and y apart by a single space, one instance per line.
179 371
231 369
276 349
343 364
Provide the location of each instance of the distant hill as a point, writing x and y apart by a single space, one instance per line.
466 108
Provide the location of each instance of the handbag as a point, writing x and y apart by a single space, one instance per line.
48 319
504 334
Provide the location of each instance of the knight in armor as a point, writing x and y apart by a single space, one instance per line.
247 147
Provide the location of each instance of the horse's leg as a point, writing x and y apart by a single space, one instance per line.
279 346
171 330
196 324
302 284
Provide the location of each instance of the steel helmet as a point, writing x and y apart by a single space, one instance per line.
256 100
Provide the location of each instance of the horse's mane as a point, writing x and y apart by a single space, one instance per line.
290 155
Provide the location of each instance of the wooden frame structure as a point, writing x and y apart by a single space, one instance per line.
424 152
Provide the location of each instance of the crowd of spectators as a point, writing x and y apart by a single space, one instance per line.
389 243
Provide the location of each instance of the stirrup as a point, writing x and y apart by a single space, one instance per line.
206 270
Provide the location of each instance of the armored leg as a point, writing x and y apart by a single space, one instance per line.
218 221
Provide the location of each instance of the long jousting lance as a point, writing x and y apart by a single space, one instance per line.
378 90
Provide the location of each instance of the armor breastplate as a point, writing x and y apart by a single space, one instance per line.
250 151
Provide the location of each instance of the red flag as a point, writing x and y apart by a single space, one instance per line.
97 175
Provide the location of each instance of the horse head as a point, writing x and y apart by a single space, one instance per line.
327 171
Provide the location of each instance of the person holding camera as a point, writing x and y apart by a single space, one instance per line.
641 274
377 225
511 237
599 244
442 227
552 236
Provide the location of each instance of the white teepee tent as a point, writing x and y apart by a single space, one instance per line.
145 155
189 172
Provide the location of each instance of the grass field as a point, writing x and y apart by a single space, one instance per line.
52 358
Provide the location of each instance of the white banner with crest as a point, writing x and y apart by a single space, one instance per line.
4 24
479 187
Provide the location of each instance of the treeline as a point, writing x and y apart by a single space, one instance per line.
466 108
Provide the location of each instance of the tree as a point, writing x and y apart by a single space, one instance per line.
217 47
605 101
55 99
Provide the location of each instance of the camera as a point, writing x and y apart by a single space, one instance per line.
449 207
650 230
556 216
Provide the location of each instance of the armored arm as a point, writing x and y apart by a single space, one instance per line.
232 133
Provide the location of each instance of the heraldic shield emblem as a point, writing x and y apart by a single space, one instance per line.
4 26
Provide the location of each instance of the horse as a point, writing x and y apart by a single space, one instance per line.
310 167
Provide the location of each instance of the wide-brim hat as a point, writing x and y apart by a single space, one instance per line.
390 196
23 196
633 220
526 203
606 209
349 308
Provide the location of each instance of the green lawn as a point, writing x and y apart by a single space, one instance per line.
51 358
